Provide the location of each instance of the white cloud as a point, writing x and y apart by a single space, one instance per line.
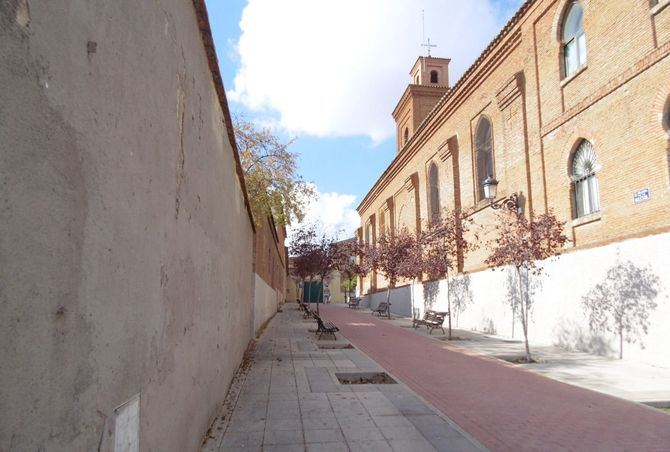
337 68
333 213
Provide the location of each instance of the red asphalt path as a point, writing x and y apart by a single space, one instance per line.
503 407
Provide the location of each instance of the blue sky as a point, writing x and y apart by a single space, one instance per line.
330 72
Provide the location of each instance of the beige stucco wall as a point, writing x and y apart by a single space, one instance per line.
125 245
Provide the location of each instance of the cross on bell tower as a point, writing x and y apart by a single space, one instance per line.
428 45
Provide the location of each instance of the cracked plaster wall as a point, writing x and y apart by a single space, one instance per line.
125 244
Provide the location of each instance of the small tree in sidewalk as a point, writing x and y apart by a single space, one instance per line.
348 261
444 245
390 257
524 244
303 250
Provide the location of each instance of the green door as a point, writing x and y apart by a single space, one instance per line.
312 291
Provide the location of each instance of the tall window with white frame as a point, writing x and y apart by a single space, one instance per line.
483 154
585 183
434 192
574 39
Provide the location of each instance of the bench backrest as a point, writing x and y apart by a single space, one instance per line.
383 306
434 316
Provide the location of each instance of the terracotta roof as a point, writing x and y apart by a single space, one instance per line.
453 91
210 51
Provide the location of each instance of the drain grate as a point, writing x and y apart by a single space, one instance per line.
365 378
335 346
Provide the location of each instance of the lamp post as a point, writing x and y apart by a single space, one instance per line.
490 191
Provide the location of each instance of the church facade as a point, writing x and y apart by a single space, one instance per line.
568 109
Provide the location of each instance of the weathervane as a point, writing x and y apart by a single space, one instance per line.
427 45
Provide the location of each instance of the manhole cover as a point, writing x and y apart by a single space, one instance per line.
365 378
335 346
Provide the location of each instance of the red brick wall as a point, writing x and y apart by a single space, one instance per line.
616 102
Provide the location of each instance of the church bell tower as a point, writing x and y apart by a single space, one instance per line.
429 81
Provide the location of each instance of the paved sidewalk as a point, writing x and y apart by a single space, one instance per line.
288 398
504 407
635 381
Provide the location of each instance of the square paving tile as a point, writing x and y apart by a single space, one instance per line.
328 447
411 445
396 432
283 437
360 434
324 436
242 439
369 446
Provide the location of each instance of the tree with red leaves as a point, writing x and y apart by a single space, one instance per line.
524 244
349 262
444 246
303 251
318 254
393 256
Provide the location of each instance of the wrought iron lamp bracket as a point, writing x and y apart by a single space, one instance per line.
510 203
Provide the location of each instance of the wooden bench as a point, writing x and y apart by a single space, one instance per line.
432 320
382 309
354 304
307 313
324 326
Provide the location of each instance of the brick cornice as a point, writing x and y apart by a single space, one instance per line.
511 91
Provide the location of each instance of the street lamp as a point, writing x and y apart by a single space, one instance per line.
491 190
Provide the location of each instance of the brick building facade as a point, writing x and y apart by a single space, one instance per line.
567 107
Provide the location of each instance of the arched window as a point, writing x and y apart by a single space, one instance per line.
405 136
433 76
483 154
574 39
434 192
583 173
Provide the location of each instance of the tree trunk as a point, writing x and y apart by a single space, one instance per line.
388 301
412 301
317 298
449 305
309 294
524 314
620 343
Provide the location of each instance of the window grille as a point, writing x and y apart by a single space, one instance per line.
586 190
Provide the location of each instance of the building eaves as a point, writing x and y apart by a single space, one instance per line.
212 60
402 156
412 87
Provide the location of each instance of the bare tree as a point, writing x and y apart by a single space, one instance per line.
444 246
623 301
524 244
391 256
